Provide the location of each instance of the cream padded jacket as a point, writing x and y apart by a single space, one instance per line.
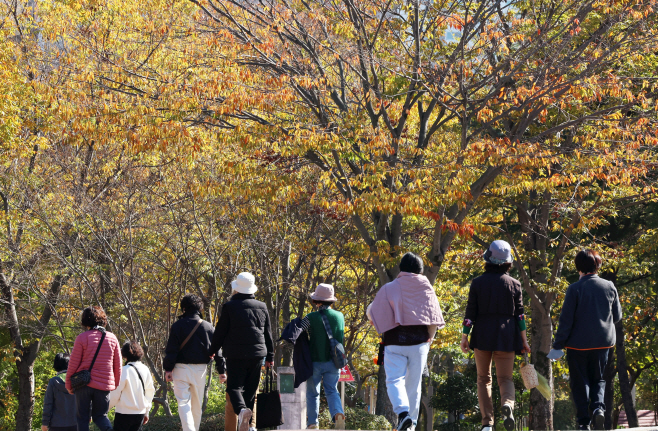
128 397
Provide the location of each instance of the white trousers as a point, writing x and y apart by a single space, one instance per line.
404 367
189 383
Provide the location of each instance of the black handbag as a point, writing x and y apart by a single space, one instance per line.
337 350
82 378
269 405
140 379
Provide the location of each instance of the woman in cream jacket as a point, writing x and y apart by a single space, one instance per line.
134 394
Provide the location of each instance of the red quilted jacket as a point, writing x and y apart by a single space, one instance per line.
107 369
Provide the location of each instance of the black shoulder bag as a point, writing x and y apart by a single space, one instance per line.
140 379
82 378
269 404
337 350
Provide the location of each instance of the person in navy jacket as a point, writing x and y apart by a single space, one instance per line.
587 330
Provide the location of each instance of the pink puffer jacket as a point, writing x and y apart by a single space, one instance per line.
107 369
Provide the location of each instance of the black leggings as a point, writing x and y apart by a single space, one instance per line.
242 378
123 422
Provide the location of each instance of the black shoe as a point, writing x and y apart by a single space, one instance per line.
509 418
598 420
404 422
583 427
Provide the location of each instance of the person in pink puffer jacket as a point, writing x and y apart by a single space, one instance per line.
93 400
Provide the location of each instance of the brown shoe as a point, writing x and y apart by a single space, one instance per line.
339 421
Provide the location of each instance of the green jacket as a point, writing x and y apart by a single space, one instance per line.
319 341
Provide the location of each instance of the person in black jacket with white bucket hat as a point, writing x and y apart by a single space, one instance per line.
244 336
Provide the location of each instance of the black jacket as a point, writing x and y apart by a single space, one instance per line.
590 310
243 329
197 349
495 305
296 333
58 404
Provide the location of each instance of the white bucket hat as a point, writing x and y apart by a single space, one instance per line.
245 283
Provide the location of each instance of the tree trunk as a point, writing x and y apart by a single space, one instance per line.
25 396
384 406
624 383
26 355
541 409
609 397
206 389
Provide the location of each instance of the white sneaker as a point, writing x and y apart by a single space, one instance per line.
487 428
339 421
243 420
252 429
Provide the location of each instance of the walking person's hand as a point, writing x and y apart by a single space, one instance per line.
526 347
269 364
44 428
464 344
71 391
146 420
555 354
222 378
169 376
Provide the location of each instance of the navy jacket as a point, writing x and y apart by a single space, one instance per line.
589 313
243 330
58 404
295 333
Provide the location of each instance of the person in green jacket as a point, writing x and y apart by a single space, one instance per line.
324 370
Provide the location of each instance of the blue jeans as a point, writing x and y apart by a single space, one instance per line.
586 369
94 403
327 373
404 367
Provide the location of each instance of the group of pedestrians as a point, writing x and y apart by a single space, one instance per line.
405 312
128 388
496 323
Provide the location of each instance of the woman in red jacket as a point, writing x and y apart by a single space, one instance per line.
93 400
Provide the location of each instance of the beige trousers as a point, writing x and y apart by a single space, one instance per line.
189 383
504 369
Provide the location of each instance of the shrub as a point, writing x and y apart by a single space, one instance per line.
356 419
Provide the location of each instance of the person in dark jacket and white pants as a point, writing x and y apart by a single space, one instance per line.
59 405
243 333
187 367
587 330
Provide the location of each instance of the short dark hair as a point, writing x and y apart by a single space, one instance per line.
61 362
323 302
588 261
132 351
497 269
411 262
191 302
93 316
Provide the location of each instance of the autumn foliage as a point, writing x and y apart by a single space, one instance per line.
148 149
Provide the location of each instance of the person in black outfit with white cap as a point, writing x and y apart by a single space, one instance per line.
243 334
